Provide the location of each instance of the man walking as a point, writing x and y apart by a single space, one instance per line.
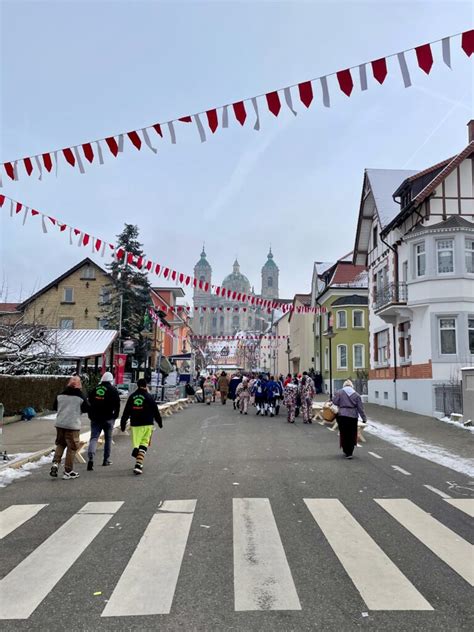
104 409
142 410
223 387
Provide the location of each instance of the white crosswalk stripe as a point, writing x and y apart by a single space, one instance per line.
381 584
13 517
148 583
262 577
25 587
444 543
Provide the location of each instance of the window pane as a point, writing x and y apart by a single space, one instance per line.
358 322
358 361
445 256
447 335
342 356
470 255
68 294
471 334
341 319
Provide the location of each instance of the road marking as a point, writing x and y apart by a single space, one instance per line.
377 456
262 577
380 583
400 469
25 587
13 517
446 544
464 504
101 507
148 583
437 491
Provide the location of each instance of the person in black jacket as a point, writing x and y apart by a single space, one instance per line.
142 410
104 402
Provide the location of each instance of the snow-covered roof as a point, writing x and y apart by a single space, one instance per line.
75 344
383 183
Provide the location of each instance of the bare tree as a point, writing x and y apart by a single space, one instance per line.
27 348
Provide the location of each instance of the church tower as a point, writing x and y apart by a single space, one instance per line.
270 274
202 272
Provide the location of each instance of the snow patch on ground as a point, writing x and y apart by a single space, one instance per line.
456 424
427 451
52 416
10 474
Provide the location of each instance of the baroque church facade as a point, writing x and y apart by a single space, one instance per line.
211 320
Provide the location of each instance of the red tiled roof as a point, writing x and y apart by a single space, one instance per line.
8 307
346 273
428 170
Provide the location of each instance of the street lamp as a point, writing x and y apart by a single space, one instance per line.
329 334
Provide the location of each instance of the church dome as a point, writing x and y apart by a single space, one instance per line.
237 282
203 263
270 262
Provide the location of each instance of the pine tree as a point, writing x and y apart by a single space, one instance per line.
130 293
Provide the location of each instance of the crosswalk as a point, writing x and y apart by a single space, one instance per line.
262 577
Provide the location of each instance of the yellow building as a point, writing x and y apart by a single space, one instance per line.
74 300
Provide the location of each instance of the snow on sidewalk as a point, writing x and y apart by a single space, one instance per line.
10 474
421 448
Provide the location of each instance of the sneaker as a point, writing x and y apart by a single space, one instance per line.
90 465
137 469
54 471
241 412
348 456
70 475
107 462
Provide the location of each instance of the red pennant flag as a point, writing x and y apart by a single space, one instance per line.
306 93
69 156
149 265
424 57
181 277
112 145
273 101
194 282
157 268
188 280
157 129
185 119
52 220
135 138
9 169
344 78
18 207
28 165
201 285
63 227
130 258
173 275
239 111
48 163
88 151
33 212
166 272
98 244
379 69
139 263
85 239
206 287
234 295
2 200
212 120
467 42
120 253
77 231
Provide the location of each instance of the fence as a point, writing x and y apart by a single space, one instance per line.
448 398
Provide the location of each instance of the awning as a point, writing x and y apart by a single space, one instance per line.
180 356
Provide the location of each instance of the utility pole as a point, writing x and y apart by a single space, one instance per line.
288 351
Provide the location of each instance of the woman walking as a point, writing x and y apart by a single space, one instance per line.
243 395
223 387
350 407
209 390
307 393
290 396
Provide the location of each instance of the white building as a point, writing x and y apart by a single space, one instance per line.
416 235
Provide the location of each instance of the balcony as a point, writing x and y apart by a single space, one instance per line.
389 300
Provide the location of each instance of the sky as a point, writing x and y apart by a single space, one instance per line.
77 71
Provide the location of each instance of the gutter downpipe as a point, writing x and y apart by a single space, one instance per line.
395 253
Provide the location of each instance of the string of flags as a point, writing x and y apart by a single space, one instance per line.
156 319
222 309
210 120
99 245
241 337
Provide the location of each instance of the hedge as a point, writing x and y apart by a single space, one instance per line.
19 391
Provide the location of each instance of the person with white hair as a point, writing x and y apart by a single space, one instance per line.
350 407
104 402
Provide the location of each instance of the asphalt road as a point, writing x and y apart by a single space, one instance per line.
265 563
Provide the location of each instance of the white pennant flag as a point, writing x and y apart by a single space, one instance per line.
404 70
15 170
289 102
446 47
120 143
40 168
363 77
12 206
148 141
172 132
255 107
102 250
56 163
25 214
78 160
324 87
99 153
43 223
202 133
79 243
225 116
70 236
1 181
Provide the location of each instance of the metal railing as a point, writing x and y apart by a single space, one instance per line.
392 293
448 398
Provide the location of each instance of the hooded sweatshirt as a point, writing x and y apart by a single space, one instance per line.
105 402
349 402
70 404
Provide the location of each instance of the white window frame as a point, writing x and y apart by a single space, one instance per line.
438 249
338 325
384 361
66 289
88 272
358 311
70 320
469 250
362 346
453 318
418 255
340 367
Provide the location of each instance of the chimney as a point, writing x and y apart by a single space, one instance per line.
470 130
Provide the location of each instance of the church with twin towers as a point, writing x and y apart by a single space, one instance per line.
214 321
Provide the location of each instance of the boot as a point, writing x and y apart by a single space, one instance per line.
90 465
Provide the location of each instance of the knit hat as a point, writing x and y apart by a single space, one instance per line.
107 377
75 382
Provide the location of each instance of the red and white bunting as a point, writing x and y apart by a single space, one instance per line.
93 151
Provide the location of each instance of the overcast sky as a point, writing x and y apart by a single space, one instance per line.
76 71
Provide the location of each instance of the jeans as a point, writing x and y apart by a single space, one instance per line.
96 429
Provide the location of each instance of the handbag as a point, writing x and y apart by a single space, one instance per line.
329 411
